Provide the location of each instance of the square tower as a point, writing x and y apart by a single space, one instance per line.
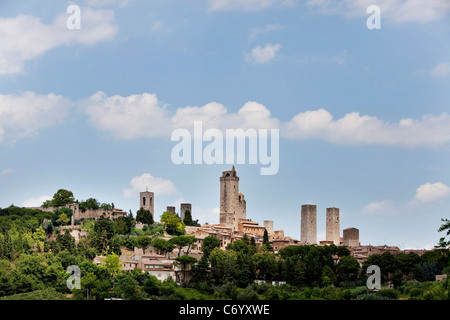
309 224
147 202
183 208
332 225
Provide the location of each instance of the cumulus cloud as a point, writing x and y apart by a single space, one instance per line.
261 55
429 192
25 37
144 116
354 128
24 115
159 186
135 116
35 202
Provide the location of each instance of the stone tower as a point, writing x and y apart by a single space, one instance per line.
309 224
268 224
183 208
147 201
333 225
170 209
350 237
232 203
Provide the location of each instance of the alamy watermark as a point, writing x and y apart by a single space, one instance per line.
221 149
374 20
73 22
374 280
74 281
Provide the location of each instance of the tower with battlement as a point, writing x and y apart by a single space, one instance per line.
232 203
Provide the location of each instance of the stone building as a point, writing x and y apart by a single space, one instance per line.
147 201
351 237
308 232
332 225
183 208
268 224
170 209
232 203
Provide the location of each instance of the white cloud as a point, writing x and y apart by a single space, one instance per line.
396 11
159 186
261 55
24 115
247 5
384 207
8 171
25 37
144 116
129 117
353 128
429 192
35 202
442 69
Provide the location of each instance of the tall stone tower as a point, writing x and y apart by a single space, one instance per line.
309 224
183 208
147 202
232 203
333 225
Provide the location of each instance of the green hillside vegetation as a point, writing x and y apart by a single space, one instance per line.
34 257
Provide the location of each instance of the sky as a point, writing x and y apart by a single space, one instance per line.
362 113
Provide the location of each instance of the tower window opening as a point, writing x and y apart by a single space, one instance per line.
143 201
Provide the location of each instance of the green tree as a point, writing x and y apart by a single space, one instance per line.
172 223
208 245
163 246
61 198
224 264
184 262
348 269
143 242
188 219
443 243
89 204
112 264
328 276
266 243
183 241
266 266
144 216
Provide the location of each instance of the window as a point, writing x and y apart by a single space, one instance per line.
143 201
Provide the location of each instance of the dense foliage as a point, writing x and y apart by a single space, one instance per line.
35 254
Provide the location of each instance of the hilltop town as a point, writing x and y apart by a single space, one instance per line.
234 226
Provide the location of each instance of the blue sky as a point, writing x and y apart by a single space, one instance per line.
363 114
